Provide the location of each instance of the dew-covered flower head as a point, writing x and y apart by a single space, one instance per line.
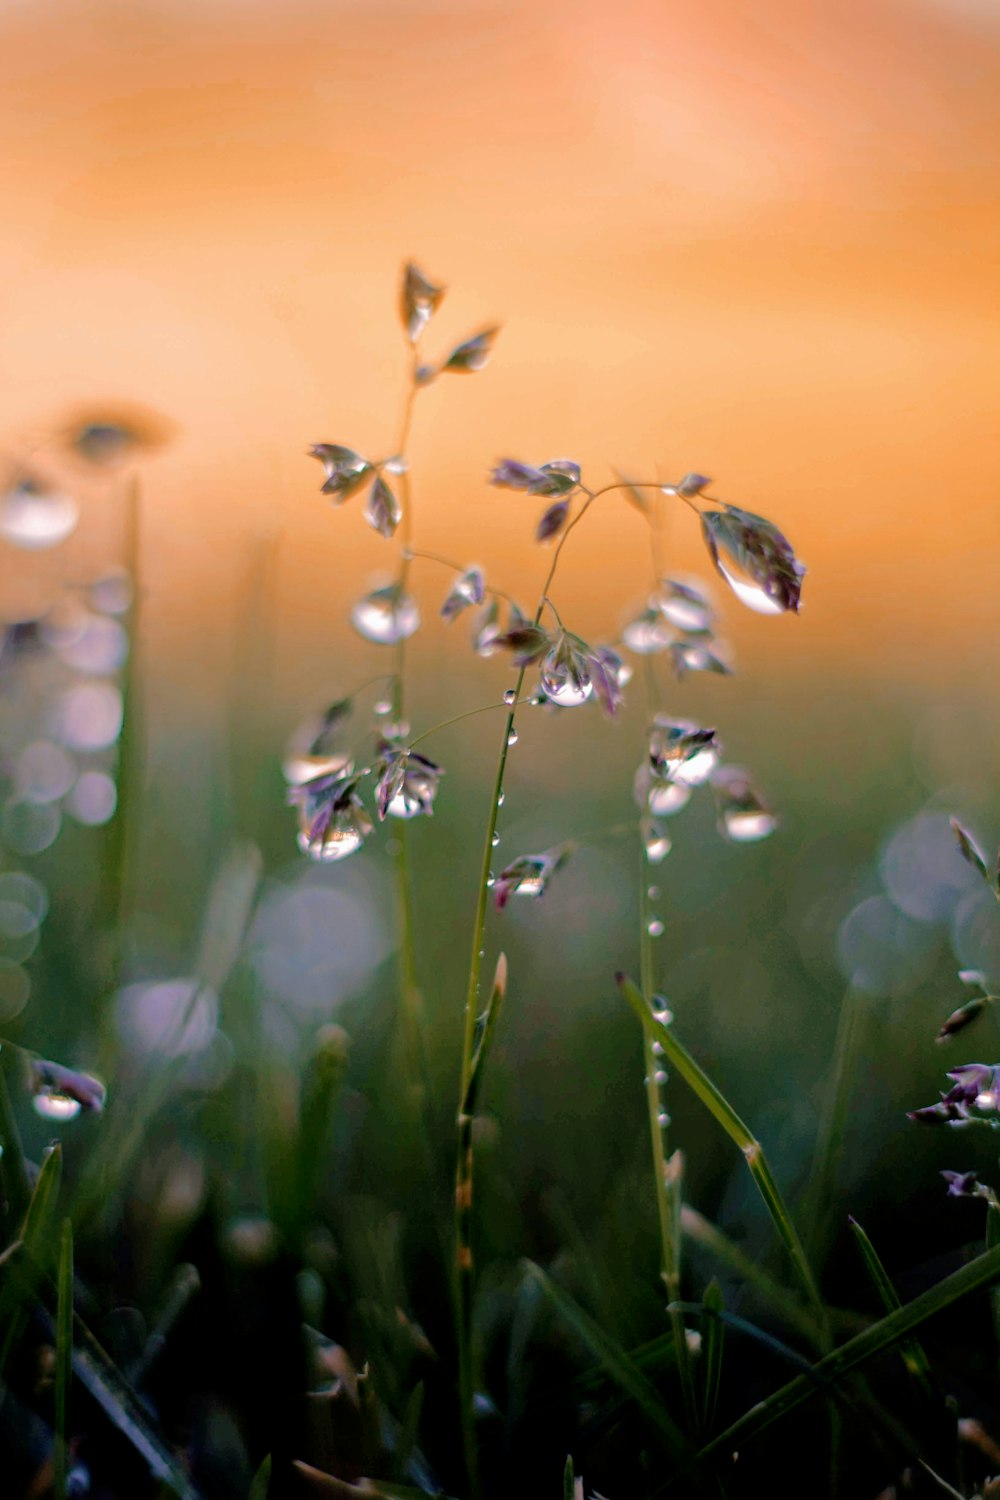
333 821
408 781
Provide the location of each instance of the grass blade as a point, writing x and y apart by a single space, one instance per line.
739 1133
911 1350
829 1147
712 1338
982 1272
32 1259
487 1029
615 1361
64 1358
710 1237
261 1482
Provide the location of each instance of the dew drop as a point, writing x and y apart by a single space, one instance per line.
52 1105
510 697
403 805
491 880
665 1018
697 768
337 843
657 1049
750 594
512 738
386 616
568 693
667 798
663 1119
500 799
495 840
33 518
748 827
654 927
658 846
660 1077
382 708
646 635
686 613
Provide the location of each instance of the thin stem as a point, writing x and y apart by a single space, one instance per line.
64 1360
418 554
666 1172
464 1265
628 484
469 714
558 616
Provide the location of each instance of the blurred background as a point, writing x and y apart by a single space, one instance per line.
759 242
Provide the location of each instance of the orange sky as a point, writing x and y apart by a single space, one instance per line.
756 240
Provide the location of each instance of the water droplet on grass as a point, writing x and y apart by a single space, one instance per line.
654 927
748 827
56 1106
510 697
500 799
512 739
495 840
336 843
386 616
34 518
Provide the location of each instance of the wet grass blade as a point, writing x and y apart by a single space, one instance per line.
33 1259
261 1481
13 1172
617 1364
980 1273
710 1237
911 1350
64 1358
487 1027
829 1147
993 1239
407 1440
712 1338
569 1479
739 1133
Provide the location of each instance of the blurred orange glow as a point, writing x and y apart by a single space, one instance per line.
756 241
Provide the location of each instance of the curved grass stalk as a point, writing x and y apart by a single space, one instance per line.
897 1326
738 1132
667 1169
